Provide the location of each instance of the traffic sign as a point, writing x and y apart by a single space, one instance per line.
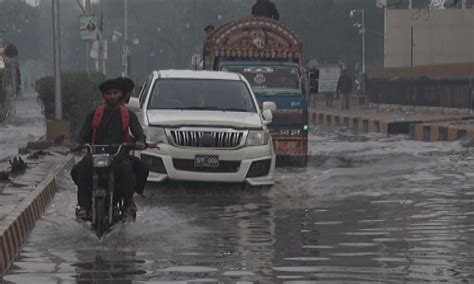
88 27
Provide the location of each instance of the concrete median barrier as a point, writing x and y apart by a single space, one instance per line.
390 122
17 225
438 132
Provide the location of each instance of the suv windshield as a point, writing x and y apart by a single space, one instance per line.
201 94
270 79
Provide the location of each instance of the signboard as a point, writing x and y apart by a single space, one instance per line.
328 76
116 36
381 3
88 27
437 4
95 49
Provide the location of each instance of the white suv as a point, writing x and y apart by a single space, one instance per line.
208 126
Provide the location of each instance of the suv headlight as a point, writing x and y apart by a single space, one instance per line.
258 138
157 135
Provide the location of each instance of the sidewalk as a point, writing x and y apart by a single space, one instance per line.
17 188
23 199
393 119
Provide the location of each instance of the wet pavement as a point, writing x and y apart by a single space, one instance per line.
27 125
18 187
366 209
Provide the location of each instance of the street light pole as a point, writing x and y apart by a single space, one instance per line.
362 30
363 40
88 44
125 39
58 106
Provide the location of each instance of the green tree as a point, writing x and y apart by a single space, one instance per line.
19 25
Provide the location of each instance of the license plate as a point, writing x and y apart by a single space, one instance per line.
206 161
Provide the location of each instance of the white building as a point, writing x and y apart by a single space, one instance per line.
429 36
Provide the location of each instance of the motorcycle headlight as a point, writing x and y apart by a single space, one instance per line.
157 135
101 160
258 138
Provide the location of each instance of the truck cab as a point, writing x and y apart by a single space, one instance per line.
270 57
281 83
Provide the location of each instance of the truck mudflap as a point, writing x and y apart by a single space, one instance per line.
291 151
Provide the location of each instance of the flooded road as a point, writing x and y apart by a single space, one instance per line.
366 209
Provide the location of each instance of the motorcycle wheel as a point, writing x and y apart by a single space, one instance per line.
100 226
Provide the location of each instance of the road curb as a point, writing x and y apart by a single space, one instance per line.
16 227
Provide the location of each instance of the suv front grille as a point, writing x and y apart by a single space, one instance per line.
226 138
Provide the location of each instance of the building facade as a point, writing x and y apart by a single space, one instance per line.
419 37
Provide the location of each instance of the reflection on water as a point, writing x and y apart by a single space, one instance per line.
367 210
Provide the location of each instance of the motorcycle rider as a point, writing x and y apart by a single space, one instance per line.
140 168
108 131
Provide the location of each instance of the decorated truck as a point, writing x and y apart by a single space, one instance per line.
8 84
270 57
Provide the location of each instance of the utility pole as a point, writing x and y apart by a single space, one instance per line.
88 44
101 55
412 45
57 62
363 40
125 39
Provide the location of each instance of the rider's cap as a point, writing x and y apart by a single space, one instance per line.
110 84
127 84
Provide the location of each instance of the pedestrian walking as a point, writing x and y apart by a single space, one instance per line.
344 89
329 99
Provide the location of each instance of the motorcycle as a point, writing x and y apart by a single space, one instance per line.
107 205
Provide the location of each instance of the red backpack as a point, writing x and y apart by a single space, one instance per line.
99 114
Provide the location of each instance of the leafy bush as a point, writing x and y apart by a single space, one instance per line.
80 96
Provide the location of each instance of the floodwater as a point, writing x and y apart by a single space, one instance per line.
366 209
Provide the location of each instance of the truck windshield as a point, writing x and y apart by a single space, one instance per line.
201 94
270 79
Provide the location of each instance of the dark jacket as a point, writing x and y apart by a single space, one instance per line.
265 8
344 84
110 128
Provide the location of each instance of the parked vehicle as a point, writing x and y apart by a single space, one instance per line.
208 125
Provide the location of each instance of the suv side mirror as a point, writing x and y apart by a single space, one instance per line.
269 106
267 116
134 104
